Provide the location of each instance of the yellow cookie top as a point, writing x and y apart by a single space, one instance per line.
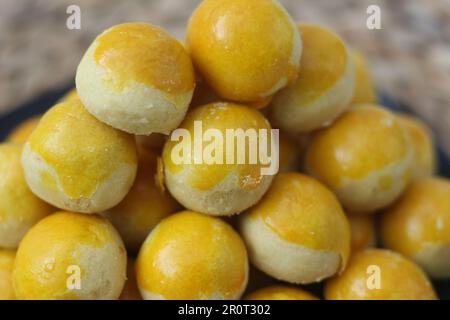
218 117
21 133
143 53
419 218
245 49
55 244
279 292
17 203
188 243
324 61
362 231
360 142
422 141
364 87
376 274
6 268
75 144
303 211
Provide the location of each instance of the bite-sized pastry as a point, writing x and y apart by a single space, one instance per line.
6 267
192 256
219 183
418 225
246 50
375 274
298 232
362 231
23 130
425 162
280 292
364 88
324 87
130 289
365 157
144 205
20 209
137 78
70 256
78 163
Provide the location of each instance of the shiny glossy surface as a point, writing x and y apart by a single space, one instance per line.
188 243
244 49
54 244
400 279
145 54
219 116
75 144
303 211
359 143
421 217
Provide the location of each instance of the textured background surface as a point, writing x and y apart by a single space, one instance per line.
410 56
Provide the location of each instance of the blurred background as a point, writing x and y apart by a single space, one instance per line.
410 55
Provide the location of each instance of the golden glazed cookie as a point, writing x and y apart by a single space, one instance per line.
246 50
22 131
69 256
418 225
375 274
362 231
298 231
280 292
324 87
212 186
365 158
144 205
20 209
425 162
192 256
6 268
137 78
78 163
364 88
71 95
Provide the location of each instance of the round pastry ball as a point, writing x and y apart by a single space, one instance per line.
144 206
212 186
362 232
375 274
418 225
137 78
130 289
20 209
298 231
78 163
246 50
364 88
6 267
365 157
324 87
425 162
192 256
21 133
280 292
70 256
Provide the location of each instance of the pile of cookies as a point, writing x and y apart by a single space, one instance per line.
94 205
